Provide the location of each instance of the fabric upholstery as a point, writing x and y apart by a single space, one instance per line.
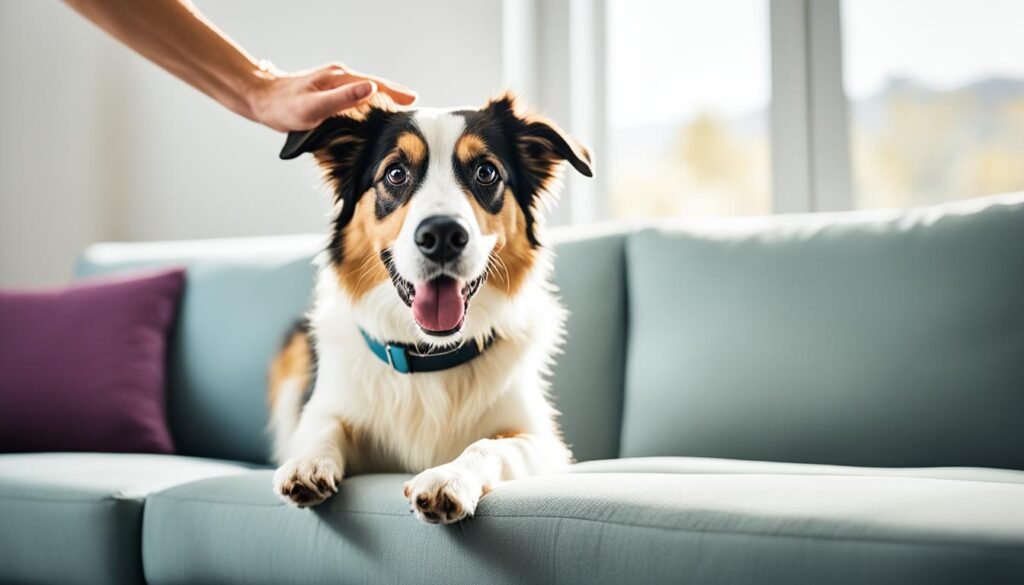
706 528
82 368
877 339
590 273
77 517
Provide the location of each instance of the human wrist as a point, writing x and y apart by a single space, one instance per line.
256 87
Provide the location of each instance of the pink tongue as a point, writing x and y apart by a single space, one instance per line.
438 304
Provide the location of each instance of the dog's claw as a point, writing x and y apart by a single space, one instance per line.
443 495
307 482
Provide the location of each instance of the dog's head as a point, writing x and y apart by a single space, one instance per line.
437 203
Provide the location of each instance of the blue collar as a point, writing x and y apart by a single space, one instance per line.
406 359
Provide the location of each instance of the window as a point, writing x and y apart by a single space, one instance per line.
740 107
936 99
688 108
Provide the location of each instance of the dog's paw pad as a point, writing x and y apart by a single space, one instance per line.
307 482
443 496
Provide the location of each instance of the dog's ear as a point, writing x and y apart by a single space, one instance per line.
301 142
537 148
339 145
330 132
540 143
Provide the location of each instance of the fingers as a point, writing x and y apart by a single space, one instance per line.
331 89
333 76
402 95
328 103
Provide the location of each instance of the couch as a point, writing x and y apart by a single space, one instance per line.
831 398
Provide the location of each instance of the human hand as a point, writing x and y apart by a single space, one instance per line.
300 101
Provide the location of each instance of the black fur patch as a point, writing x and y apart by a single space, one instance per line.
391 197
491 197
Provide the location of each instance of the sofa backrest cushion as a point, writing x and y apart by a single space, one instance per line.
865 338
243 296
590 273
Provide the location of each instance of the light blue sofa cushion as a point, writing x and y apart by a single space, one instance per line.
77 517
882 339
600 527
590 273
243 296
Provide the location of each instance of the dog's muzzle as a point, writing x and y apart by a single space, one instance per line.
439 303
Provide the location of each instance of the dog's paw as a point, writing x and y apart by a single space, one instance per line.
307 482
444 494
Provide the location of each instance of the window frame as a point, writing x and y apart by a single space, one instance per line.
809 110
555 55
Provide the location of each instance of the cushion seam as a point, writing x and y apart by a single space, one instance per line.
100 499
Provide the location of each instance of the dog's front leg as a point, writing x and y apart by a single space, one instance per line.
450 492
315 463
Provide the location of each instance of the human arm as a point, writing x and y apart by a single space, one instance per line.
176 36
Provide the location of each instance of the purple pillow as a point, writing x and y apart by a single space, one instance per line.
83 368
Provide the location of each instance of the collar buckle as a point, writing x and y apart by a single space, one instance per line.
398 358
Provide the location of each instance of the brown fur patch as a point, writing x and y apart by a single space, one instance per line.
365 237
413 147
294 360
469 147
513 256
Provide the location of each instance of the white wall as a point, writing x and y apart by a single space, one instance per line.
98 144
50 137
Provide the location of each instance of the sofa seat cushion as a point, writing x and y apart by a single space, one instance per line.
77 517
599 527
699 465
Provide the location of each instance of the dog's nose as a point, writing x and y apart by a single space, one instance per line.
441 237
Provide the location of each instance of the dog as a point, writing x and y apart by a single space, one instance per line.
433 324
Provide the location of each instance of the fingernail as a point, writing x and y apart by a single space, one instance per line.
363 89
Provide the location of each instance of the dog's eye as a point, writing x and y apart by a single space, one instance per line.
486 174
396 175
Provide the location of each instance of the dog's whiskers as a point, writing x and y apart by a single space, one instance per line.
365 270
501 264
